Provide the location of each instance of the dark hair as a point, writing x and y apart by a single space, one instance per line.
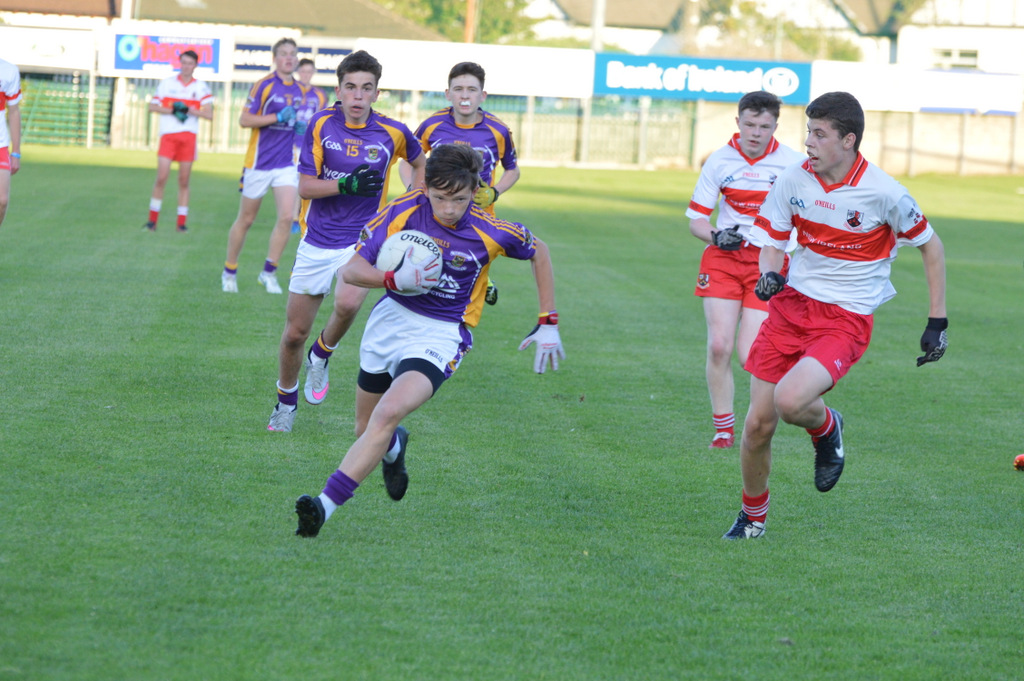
467 68
305 62
281 42
453 167
760 101
359 61
189 53
843 111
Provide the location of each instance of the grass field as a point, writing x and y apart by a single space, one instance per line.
564 526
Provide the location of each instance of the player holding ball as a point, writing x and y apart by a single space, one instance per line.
412 344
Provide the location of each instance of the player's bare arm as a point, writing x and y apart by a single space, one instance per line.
543 274
933 253
251 120
702 229
508 179
359 272
418 170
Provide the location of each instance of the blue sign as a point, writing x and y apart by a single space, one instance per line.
134 52
719 80
327 59
255 57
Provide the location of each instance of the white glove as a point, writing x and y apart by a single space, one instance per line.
549 347
414 278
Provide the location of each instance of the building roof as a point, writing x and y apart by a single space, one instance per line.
873 17
335 18
82 8
656 14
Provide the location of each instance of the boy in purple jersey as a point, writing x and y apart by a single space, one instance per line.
315 101
344 167
416 336
465 122
269 164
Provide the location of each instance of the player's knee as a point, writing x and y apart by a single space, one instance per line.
789 406
720 350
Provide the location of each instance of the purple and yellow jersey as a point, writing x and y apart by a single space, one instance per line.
314 101
468 249
490 137
271 147
331 150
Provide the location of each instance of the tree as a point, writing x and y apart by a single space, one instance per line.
498 21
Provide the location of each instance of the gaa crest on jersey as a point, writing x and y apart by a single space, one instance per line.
703 280
372 153
854 218
458 261
364 234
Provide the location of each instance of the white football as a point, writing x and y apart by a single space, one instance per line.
425 250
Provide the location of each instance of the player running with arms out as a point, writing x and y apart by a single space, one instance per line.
344 167
413 343
737 177
850 218
269 164
181 101
10 130
465 122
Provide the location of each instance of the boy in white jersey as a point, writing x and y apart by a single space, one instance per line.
181 101
850 218
10 130
418 333
737 177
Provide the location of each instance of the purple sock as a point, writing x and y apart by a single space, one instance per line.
340 488
320 348
269 266
291 399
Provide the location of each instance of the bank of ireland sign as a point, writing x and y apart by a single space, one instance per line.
722 80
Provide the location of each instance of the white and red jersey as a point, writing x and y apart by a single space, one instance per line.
847 234
195 93
740 181
10 93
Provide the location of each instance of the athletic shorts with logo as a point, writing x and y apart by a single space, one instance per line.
798 327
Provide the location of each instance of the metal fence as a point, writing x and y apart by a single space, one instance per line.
609 131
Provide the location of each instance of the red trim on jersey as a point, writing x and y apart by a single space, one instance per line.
169 102
704 210
745 201
773 144
916 230
183 82
852 178
765 224
842 245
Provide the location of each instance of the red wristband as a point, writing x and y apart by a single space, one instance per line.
549 318
389 280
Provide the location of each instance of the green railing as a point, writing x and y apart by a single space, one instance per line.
56 109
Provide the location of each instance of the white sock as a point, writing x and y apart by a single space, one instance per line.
183 210
392 453
155 204
329 506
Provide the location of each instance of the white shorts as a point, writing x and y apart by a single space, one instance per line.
256 183
394 333
315 268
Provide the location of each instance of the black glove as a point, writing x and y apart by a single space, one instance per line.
727 239
933 340
180 111
362 182
768 285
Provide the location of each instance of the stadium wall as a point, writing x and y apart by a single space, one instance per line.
565 107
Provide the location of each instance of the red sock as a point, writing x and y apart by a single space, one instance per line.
724 422
825 427
756 508
181 220
154 215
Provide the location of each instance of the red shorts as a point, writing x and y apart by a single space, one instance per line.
732 275
5 158
798 327
178 146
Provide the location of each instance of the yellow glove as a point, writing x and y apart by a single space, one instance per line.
485 195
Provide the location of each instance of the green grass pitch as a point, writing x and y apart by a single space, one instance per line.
564 526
